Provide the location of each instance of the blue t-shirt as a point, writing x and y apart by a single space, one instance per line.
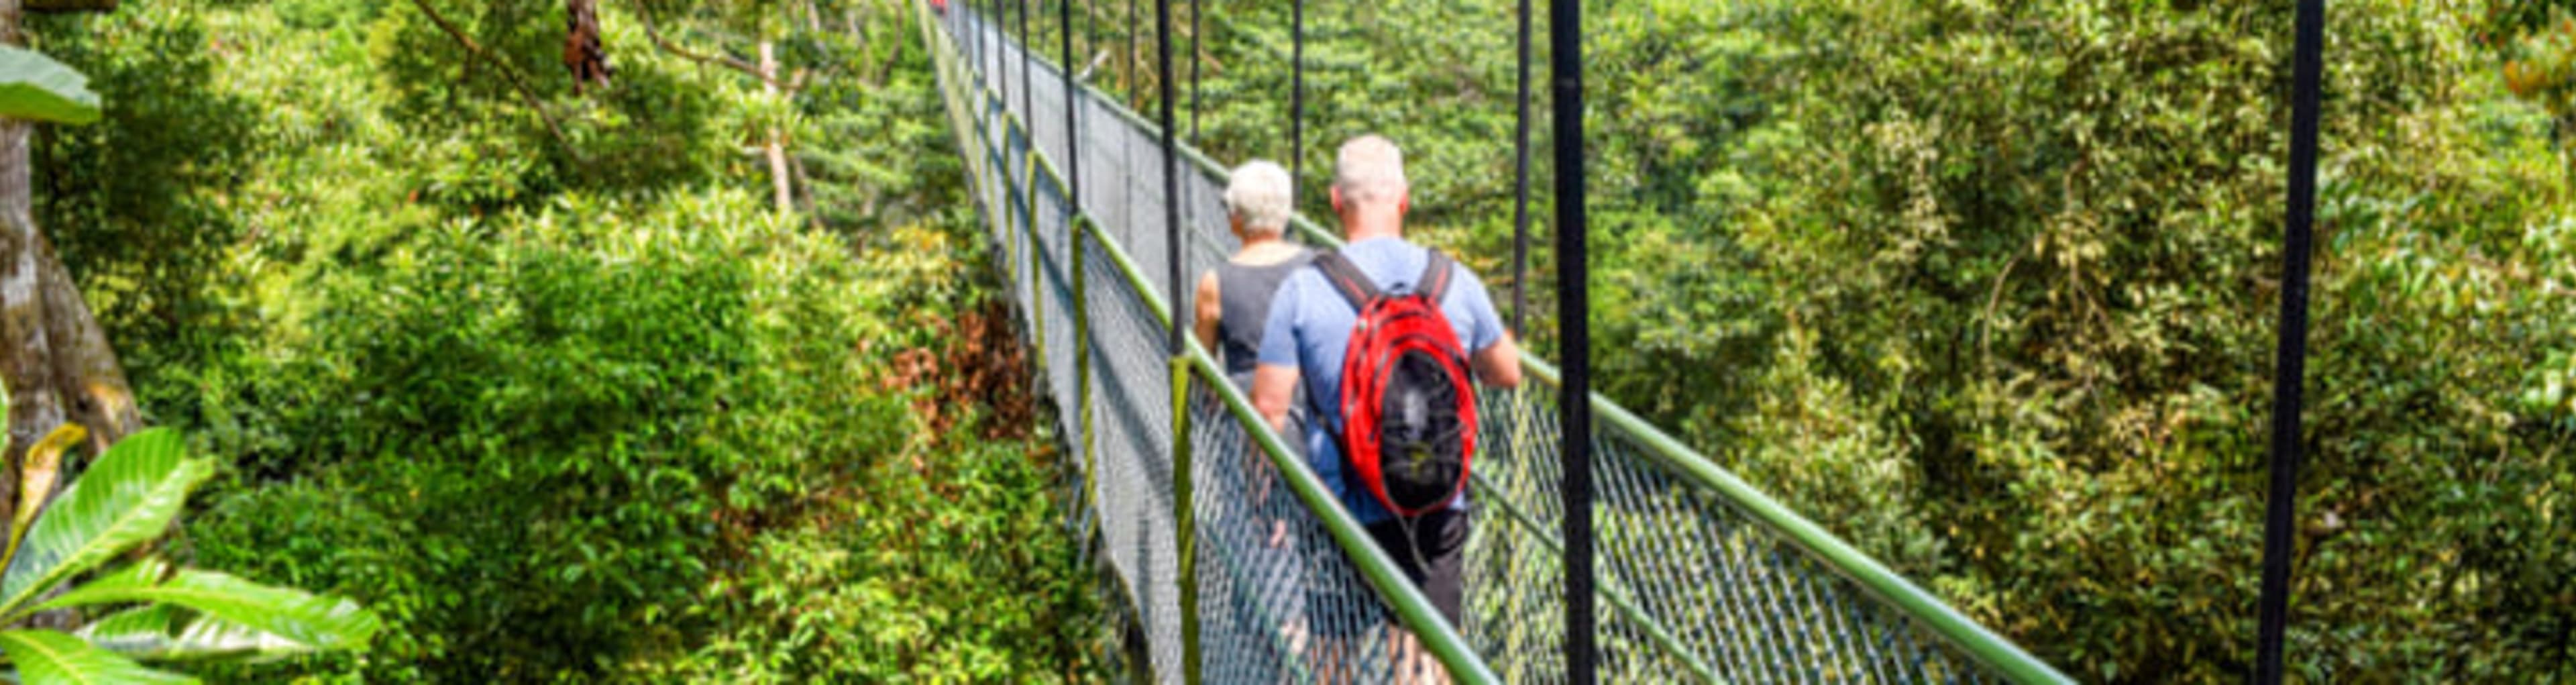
1310 328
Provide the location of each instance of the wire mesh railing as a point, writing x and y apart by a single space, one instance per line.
1701 577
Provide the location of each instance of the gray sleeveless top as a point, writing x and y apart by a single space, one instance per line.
1244 292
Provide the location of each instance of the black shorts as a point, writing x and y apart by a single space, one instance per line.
1431 553
1432 550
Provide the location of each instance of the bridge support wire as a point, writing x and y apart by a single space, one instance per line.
1574 335
2290 360
1705 578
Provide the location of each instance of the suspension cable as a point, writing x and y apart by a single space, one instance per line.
1028 65
1134 98
1183 474
1072 125
1195 67
1001 69
2290 359
1574 413
1521 183
1296 94
1172 234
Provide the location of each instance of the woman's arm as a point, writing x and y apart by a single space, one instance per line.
1210 311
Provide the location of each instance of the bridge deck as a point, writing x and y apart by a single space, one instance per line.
1702 577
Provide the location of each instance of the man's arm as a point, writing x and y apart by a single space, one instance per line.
1499 364
1497 359
1273 388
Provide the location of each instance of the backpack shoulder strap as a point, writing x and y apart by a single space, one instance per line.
1346 279
1434 284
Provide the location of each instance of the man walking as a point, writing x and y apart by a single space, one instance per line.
1310 333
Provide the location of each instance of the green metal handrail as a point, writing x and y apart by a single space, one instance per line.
1962 632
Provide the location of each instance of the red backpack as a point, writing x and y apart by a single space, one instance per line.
1408 403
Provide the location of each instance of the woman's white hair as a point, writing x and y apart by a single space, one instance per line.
1262 196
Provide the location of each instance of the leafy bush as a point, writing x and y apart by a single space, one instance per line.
581 461
559 415
861 591
182 147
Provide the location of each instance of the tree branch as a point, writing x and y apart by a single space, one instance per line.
644 15
508 74
59 6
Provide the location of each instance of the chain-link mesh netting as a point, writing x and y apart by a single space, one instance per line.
1692 585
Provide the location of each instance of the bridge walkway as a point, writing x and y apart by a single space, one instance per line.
1702 577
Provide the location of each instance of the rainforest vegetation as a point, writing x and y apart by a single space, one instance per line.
540 371
1990 288
656 340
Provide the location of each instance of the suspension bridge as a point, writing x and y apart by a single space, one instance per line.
1184 493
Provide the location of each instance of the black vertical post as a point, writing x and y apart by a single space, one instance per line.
1021 42
1171 172
1028 68
1521 182
1296 93
1183 474
1574 409
1072 125
1001 69
1133 97
1195 67
2290 360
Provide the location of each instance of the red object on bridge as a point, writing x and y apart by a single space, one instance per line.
940 6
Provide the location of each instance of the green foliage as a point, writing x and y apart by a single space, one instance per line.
165 168
558 409
1985 287
2535 43
859 593
612 449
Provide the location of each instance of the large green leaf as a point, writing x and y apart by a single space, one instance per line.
45 656
159 633
247 613
125 499
33 86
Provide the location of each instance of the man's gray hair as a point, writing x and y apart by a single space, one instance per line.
1370 170
1262 195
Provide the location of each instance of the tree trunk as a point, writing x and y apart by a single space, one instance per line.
55 358
33 406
